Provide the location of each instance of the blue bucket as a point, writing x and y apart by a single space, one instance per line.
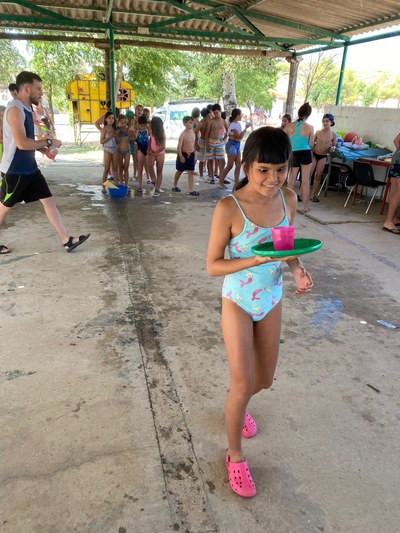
121 192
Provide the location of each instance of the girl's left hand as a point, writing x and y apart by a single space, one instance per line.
303 280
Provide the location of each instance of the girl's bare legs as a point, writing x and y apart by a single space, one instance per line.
126 159
224 173
305 186
252 349
292 177
318 173
107 166
141 161
150 163
159 167
237 169
237 330
135 163
394 202
120 159
267 334
210 168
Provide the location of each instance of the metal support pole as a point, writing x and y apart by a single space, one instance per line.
294 66
112 69
341 75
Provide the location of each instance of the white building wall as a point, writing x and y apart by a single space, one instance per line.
379 125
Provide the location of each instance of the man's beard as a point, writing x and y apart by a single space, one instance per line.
33 100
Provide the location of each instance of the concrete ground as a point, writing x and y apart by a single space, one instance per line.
113 373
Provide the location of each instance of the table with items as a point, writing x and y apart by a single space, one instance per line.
348 152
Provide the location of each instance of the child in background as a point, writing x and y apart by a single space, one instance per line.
186 155
232 147
325 142
142 140
207 115
195 117
109 142
123 150
130 115
156 153
214 138
252 290
285 120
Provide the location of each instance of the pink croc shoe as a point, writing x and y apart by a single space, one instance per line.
249 426
240 478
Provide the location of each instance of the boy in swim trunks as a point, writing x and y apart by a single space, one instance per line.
186 152
200 141
214 139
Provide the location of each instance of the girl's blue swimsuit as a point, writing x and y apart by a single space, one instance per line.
255 290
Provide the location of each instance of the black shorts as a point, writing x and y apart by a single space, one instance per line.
301 157
16 188
318 157
188 164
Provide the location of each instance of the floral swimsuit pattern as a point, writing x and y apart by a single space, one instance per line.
255 290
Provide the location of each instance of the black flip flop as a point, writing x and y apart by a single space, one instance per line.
4 250
395 231
70 246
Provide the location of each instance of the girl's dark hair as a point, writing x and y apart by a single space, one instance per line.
157 130
234 114
108 114
142 119
223 115
265 145
304 111
289 117
122 117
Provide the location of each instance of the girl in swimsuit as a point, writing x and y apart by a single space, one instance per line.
142 140
123 150
109 142
325 142
252 290
156 153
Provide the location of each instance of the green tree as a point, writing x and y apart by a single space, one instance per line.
318 77
11 62
351 89
57 63
154 74
253 78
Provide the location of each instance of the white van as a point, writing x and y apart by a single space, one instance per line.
172 114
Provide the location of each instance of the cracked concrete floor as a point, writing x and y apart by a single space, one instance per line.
113 374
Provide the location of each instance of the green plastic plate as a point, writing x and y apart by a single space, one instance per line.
301 247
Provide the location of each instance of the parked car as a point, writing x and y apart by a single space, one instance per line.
172 114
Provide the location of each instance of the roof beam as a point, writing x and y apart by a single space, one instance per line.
298 26
247 37
109 10
193 15
248 13
64 22
246 22
196 14
250 52
36 8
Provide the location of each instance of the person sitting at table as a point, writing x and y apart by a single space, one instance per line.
301 137
392 222
325 142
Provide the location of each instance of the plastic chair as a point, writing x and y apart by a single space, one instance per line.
337 178
363 174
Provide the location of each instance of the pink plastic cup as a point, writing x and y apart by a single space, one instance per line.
283 237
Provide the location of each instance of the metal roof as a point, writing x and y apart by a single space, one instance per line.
275 26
